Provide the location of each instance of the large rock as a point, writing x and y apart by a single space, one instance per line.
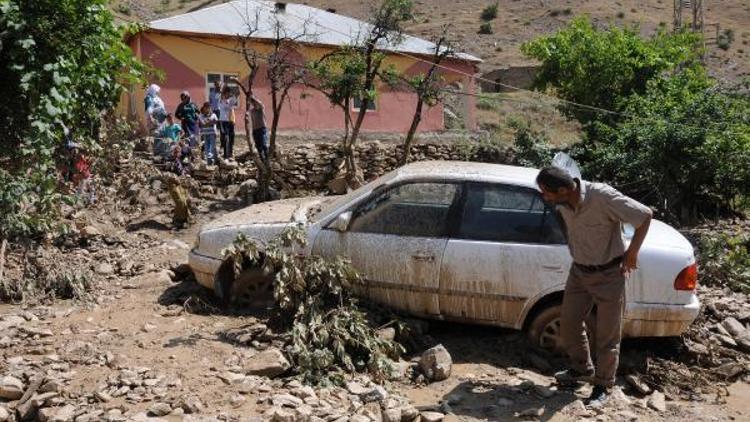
436 363
11 388
159 409
268 363
657 401
734 327
743 341
57 414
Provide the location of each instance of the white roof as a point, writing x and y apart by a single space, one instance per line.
465 170
233 18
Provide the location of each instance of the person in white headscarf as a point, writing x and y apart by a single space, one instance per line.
155 110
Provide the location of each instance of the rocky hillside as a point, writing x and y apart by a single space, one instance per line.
521 20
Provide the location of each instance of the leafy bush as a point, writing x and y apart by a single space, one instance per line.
489 13
531 147
725 39
330 333
61 61
485 28
725 261
684 147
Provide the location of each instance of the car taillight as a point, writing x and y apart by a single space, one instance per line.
687 279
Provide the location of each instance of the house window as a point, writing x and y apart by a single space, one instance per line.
357 104
225 79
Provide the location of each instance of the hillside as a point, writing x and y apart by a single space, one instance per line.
519 21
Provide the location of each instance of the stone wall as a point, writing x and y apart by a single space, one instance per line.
311 166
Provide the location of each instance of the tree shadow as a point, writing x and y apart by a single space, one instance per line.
148 224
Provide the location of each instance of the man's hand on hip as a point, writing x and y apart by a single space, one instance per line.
629 262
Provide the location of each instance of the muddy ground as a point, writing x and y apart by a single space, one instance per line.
141 344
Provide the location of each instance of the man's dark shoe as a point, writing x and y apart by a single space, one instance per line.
571 376
598 398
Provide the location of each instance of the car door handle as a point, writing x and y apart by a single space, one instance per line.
423 257
552 267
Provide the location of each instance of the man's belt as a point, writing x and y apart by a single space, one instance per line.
597 268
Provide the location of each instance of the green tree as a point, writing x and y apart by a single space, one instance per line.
61 62
683 147
428 88
355 71
600 68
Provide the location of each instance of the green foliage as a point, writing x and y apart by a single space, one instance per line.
485 29
330 333
725 261
60 61
725 39
685 146
489 13
531 147
601 67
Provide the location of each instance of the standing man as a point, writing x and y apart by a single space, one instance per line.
214 96
594 214
260 132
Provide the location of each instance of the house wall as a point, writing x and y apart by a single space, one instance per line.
185 61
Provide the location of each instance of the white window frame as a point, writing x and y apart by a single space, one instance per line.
373 110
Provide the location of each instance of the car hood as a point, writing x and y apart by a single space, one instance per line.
294 210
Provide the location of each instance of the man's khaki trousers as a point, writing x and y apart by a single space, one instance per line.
583 290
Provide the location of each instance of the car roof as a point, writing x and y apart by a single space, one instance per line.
465 170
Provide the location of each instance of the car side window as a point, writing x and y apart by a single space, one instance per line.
413 209
505 213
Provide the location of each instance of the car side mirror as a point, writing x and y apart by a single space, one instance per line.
341 223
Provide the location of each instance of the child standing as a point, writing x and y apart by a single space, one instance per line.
208 121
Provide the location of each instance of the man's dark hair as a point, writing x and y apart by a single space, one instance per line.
554 178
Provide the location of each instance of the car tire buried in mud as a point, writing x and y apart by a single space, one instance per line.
544 332
252 288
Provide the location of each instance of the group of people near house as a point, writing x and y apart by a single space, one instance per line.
200 126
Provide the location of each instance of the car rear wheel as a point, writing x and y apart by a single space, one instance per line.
544 330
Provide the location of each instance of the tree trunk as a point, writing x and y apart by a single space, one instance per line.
412 130
352 171
264 179
3 246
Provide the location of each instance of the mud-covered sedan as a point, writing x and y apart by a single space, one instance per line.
457 241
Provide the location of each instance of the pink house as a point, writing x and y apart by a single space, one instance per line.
195 49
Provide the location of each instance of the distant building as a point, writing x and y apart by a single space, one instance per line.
195 49
515 76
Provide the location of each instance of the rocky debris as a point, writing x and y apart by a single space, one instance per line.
533 412
11 388
436 363
4 415
431 416
733 327
269 363
105 268
57 414
657 401
159 409
639 385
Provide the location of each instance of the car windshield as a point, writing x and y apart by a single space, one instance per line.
332 203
